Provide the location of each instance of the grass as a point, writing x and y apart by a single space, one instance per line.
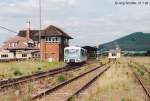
140 70
117 84
26 90
103 60
19 68
143 60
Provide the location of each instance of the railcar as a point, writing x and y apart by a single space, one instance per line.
75 54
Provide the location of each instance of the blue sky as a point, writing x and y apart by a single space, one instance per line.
89 22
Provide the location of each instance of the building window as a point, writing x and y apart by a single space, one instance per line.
30 45
9 44
4 55
66 41
24 55
113 54
14 44
53 39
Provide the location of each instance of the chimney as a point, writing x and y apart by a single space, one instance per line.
28 30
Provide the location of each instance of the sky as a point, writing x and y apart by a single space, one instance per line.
89 22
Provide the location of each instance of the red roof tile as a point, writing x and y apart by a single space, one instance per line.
54 31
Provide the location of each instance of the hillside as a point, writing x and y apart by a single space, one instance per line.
137 41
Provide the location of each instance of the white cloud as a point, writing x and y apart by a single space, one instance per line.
89 22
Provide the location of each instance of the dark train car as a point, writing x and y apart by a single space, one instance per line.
91 52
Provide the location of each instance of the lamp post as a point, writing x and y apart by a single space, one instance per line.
97 52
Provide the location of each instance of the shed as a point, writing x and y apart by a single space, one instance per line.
91 51
114 53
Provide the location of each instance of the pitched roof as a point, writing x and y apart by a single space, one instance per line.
18 38
49 31
90 48
54 31
22 33
21 43
114 50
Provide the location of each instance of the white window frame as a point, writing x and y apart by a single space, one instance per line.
24 55
4 55
9 44
66 41
53 39
13 44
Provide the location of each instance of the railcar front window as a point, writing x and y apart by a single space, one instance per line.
71 51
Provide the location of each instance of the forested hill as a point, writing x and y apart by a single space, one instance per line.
137 41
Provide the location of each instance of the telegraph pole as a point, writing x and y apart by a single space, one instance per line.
40 28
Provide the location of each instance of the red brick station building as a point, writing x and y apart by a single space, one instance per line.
51 45
53 42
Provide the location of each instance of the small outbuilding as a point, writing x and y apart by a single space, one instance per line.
114 53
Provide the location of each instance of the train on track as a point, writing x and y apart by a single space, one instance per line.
74 54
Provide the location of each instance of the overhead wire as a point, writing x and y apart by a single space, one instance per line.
2 27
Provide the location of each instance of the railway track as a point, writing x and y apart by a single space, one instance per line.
70 88
15 81
143 83
145 69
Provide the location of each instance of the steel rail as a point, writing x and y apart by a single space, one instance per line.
50 90
88 84
15 81
140 81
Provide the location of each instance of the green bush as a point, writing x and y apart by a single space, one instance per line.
126 99
123 99
61 78
39 68
17 72
127 73
142 73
